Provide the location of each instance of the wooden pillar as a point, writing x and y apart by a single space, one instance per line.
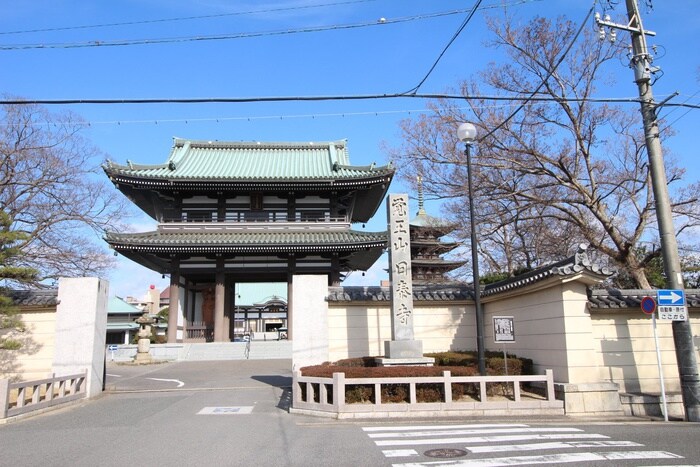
291 206
221 207
219 295
335 271
174 307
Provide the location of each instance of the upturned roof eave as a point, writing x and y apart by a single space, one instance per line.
145 241
332 182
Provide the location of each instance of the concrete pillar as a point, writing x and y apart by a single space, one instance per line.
219 292
174 308
81 330
309 319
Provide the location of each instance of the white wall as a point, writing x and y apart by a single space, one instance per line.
625 343
360 329
309 319
81 329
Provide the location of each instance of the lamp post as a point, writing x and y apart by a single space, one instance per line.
467 134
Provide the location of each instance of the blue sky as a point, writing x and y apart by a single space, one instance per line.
375 59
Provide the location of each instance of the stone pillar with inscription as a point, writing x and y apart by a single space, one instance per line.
402 349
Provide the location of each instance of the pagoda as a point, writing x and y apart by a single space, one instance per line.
427 264
231 212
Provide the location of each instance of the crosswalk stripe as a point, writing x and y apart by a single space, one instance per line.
400 453
443 427
471 432
556 445
549 459
488 439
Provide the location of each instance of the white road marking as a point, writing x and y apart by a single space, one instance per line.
488 439
549 459
556 445
114 376
179 383
226 410
400 453
471 432
443 427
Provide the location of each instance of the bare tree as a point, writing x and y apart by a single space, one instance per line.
560 171
53 192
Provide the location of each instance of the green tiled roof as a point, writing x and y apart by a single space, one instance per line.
253 162
116 305
249 241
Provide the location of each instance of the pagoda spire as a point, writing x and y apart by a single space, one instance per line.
421 208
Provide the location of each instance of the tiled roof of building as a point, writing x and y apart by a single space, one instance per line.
616 298
244 241
575 264
34 298
253 162
116 306
420 293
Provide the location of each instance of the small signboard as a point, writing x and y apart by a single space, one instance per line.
672 305
503 329
671 297
112 347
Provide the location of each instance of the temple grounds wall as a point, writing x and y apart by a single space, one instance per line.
552 327
596 353
625 343
359 329
34 360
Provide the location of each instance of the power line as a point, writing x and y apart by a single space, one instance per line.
231 36
544 81
355 97
449 43
242 35
184 18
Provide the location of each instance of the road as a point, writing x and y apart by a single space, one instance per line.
235 414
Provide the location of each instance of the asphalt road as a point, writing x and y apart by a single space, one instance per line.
235 414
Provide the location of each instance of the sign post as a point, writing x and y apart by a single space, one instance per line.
649 306
112 348
504 331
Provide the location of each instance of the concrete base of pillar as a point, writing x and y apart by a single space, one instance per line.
403 349
590 398
420 361
143 358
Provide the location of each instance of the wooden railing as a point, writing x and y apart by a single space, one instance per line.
328 395
27 396
199 331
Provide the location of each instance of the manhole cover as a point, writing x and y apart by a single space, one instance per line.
446 453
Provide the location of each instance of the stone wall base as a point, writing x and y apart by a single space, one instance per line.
590 399
651 405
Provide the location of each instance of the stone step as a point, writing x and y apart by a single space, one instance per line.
237 351
258 350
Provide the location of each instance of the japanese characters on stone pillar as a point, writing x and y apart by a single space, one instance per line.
402 349
400 269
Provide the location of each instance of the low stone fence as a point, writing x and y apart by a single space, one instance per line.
27 396
326 396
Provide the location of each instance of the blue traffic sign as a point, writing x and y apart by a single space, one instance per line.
671 297
648 305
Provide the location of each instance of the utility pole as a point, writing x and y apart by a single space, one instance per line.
682 333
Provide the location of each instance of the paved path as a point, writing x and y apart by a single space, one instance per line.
226 413
234 413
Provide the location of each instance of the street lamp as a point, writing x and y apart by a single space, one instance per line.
467 134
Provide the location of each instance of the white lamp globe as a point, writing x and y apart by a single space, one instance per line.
466 132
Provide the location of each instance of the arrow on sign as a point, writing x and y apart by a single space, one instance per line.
670 296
